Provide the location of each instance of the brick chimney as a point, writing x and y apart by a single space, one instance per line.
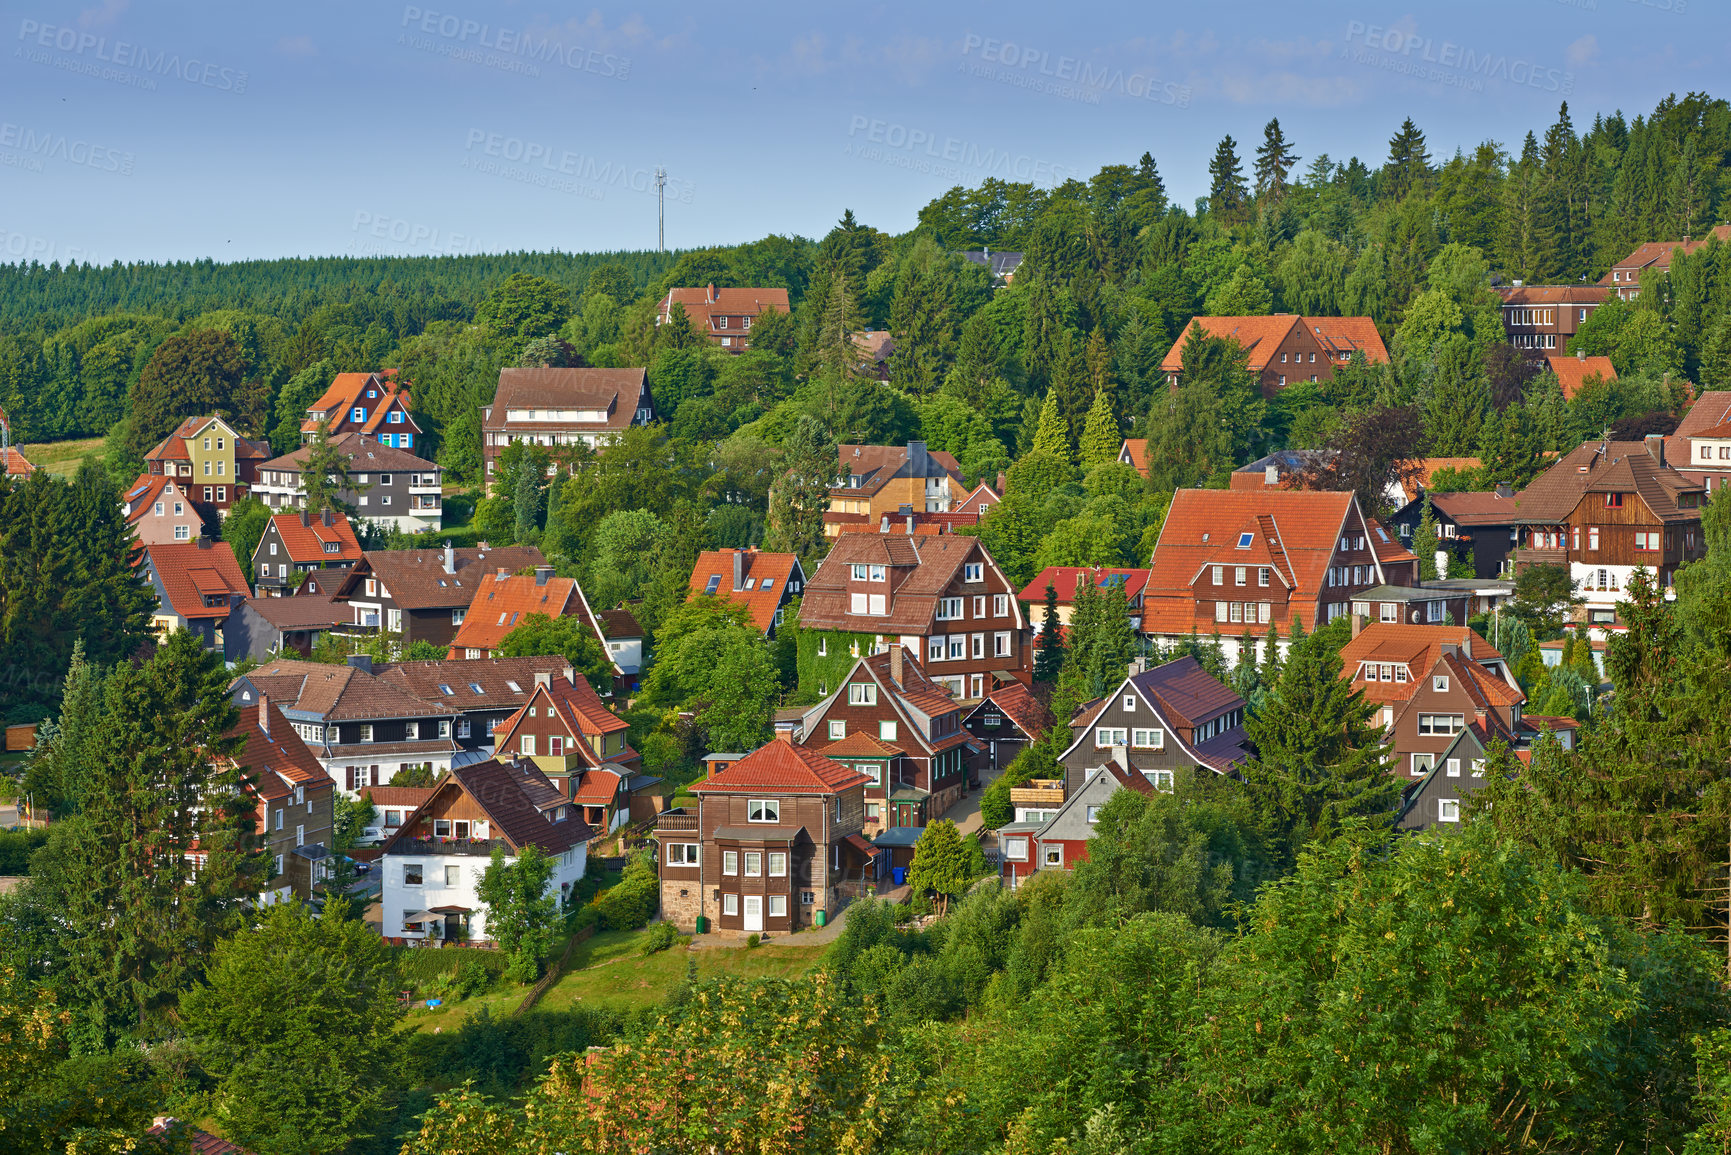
306 518
264 713
543 574
896 664
709 294
1655 447
330 517
1357 624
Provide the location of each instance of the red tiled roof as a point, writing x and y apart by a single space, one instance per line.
613 392
1064 580
704 303
1553 294
861 745
306 542
344 393
1421 470
1710 410
1659 254
875 465
1136 450
1420 648
199 1142
1572 372
364 456
417 577
1475 508
279 761
188 571
141 498
1261 337
1605 467
1346 334
501 603
1389 550
781 766
173 447
16 464
765 577
597 788
913 607
1017 703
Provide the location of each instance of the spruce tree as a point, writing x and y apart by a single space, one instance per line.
1049 646
54 776
1408 166
1274 160
1053 438
1319 755
1425 541
1101 439
1226 191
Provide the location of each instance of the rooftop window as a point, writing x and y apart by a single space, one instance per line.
1244 540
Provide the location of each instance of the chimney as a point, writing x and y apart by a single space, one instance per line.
330 518
1357 624
1003 481
1580 354
1504 489
884 525
709 293
543 678
1685 238
896 664
1656 447
264 713
1121 755
919 461
450 559
570 675
1271 475
306 518
1138 665
542 574
738 569
910 525
204 541
780 736
1518 282
362 662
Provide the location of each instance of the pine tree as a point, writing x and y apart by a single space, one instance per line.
1049 646
54 776
1150 174
1226 191
1274 160
1408 166
1425 541
1319 758
325 475
1101 439
797 502
1053 438
526 503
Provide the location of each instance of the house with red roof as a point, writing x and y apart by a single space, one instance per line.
389 487
197 1142
893 482
1543 318
503 600
1574 372
294 802
773 845
372 405
322 548
1428 682
724 316
563 407
1625 275
1067 581
12 462
1134 452
1285 348
210 462
762 582
1234 562
159 509
580 745
1701 446
901 731
197 583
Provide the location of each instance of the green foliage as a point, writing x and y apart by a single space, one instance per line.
525 306
1544 595
712 660
633 901
243 527
569 637
520 910
940 861
189 375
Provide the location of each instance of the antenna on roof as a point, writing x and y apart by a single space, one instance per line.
660 209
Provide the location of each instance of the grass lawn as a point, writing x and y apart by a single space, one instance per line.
61 458
607 971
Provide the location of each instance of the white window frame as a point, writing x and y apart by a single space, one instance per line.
764 810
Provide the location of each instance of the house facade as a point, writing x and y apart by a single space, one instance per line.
563 407
1701 446
295 812
762 582
901 732
433 864
723 316
1003 724
322 548
1542 318
1158 723
392 487
375 406
210 463
891 481
422 594
1285 348
481 694
1605 509
942 597
1470 526
197 584
773 845
1439 799
1625 276
1251 562
502 601
1067 581
568 734
1059 840
160 511
267 628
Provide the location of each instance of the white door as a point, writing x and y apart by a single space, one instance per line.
754 912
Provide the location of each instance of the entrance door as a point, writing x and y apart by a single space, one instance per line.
754 912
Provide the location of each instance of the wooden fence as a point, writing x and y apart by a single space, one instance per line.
554 972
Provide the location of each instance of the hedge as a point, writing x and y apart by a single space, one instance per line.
16 847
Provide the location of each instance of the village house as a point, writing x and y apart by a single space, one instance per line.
625 636
1251 562
1286 348
1427 682
891 481
563 407
482 693
1438 800
422 594
375 406
1001 265
1158 722
212 465
566 731
1701 447
1542 318
297 549
941 597
13 463
762 582
158 511
876 348
1625 276
1134 453
434 864
1067 582
197 583
723 316
1058 839
295 804
1003 724
389 487
903 734
501 602
266 628
1574 372
1471 526
773 845
1604 509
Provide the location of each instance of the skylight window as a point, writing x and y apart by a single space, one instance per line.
1382 533
476 686
1244 540
515 688
446 690
714 583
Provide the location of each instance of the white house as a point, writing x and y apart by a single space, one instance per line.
434 863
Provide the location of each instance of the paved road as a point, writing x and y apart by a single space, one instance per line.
965 813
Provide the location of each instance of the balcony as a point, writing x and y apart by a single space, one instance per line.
1038 794
1526 555
677 820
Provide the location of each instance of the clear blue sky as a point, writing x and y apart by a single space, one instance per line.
164 130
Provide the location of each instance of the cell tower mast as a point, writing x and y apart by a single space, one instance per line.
660 209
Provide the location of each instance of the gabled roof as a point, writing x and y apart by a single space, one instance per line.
1134 451
1514 295
1261 337
417 578
397 796
1420 649
144 493
518 800
306 538
1474 508
305 612
1183 694
429 680
1069 823
576 704
501 602
1417 477
173 447
1387 546
598 787
365 456
1572 372
278 761
1605 467
345 392
613 392
14 463
913 606
1017 703
620 623
1064 580
876 465
781 767
860 744
1711 410
764 577
703 304
189 571
1659 254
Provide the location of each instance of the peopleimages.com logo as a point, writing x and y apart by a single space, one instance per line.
920 150
121 61
35 147
504 48
1446 61
561 169
1069 77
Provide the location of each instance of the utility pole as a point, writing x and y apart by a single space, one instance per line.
660 209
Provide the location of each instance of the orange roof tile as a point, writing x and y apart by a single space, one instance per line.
1572 372
764 578
1135 452
188 571
307 542
278 761
705 303
501 602
781 766
16 464
1420 649
597 788
1419 472
1261 337
861 745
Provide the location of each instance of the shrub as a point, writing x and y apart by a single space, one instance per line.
661 936
751 941
16 847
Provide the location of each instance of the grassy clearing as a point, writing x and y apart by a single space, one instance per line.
61 458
